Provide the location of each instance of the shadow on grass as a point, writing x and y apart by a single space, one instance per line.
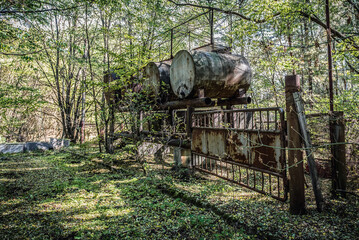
63 198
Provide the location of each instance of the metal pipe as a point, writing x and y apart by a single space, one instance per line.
171 43
280 110
197 102
330 62
234 101
206 45
211 23
174 142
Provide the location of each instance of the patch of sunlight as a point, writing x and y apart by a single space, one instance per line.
97 160
117 198
97 182
112 188
68 206
110 203
81 194
10 212
85 216
193 188
24 169
94 170
117 212
13 201
53 207
264 198
94 225
235 195
126 181
103 194
4 180
102 170
74 165
16 163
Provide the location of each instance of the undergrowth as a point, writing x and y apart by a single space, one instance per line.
67 196
81 194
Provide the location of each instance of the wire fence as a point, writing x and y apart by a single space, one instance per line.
318 126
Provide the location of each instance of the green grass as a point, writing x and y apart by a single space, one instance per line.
65 196
59 196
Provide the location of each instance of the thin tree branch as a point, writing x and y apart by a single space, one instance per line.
21 54
38 11
322 24
351 67
224 11
315 19
353 4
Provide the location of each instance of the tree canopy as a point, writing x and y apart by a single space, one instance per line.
54 53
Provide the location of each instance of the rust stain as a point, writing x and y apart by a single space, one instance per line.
237 147
197 140
264 156
258 149
210 142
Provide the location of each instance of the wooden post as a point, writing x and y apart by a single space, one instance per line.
295 156
308 149
339 171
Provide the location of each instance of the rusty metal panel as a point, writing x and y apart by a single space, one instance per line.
242 146
266 151
210 142
238 146
261 150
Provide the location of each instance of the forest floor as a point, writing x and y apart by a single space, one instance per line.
79 194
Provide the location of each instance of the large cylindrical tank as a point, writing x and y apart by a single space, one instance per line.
157 79
115 93
219 75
